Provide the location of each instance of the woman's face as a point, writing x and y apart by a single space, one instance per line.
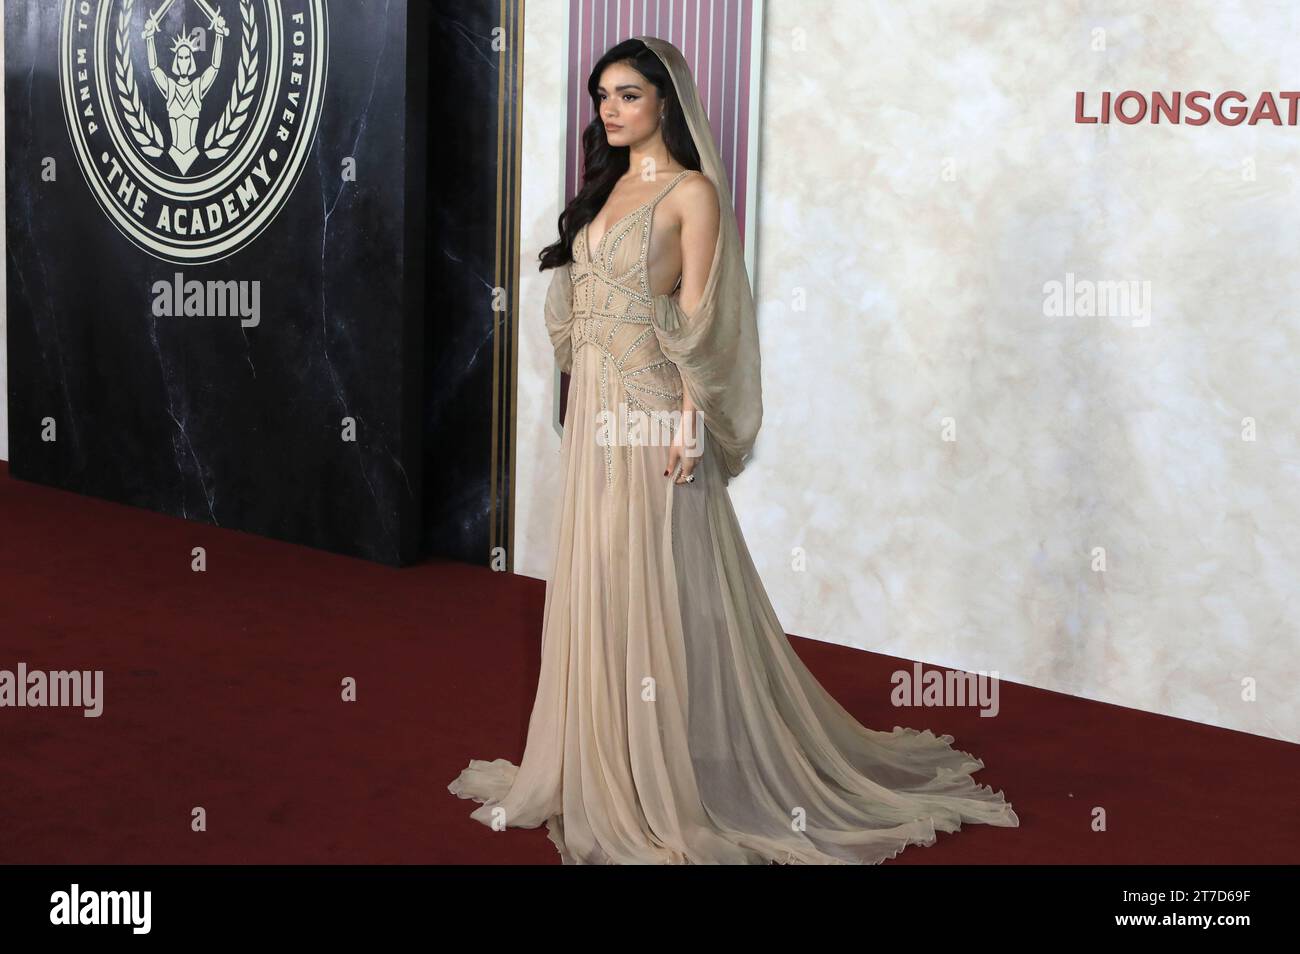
629 105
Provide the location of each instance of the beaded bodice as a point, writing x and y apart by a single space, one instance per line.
612 308
617 270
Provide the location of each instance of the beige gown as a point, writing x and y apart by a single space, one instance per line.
673 723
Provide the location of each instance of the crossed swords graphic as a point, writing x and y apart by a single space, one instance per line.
206 7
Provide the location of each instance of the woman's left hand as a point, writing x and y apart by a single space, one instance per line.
677 451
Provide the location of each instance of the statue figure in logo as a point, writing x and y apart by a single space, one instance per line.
184 95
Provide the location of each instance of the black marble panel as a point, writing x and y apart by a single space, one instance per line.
237 418
474 95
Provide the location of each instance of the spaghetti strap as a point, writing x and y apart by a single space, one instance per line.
668 188
646 230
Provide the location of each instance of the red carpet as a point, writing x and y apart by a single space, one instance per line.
223 690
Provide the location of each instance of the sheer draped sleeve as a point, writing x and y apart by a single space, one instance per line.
559 316
716 351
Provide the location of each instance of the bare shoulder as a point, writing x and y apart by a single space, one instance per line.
697 191
695 199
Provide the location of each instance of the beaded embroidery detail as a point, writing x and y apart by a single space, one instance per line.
602 298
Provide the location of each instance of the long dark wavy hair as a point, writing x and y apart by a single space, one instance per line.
604 164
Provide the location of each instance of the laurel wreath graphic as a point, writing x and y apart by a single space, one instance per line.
147 134
233 117
226 130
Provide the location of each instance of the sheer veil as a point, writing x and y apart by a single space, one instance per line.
715 348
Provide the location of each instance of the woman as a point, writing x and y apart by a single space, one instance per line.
673 723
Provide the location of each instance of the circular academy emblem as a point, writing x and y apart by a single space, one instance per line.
192 119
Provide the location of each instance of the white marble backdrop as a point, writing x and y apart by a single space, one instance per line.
1103 506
